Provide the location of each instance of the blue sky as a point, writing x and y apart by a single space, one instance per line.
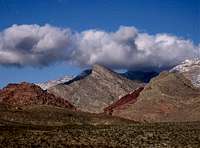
177 17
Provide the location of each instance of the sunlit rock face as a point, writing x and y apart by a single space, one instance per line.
96 89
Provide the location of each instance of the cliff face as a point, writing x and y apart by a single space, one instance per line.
97 90
168 97
25 94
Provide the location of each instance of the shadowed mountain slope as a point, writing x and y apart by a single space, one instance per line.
140 76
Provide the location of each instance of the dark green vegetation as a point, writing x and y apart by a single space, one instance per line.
46 126
132 135
53 116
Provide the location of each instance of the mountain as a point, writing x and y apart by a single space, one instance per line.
97 89
141 76
51 83
190 69
26 94
168 97
27 104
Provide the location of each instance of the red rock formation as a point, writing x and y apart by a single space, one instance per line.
124 101
30 94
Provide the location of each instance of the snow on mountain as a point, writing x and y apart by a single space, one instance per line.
190 69
52 83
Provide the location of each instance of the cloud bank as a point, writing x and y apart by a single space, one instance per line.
127 47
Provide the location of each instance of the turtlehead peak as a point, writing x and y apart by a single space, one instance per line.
96 90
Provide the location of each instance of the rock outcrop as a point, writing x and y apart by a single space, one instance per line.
26 94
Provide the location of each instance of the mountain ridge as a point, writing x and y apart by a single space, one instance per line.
97 90
169 97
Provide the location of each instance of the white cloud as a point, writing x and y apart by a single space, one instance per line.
34 45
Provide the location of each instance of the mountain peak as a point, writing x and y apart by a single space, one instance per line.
95 89
102 71
190 68
187 65
192 61
99 68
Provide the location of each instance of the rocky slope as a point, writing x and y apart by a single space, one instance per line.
124 101
96 90
168 97
52 83
190 69
26 94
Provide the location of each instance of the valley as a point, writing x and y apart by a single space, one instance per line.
157 135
